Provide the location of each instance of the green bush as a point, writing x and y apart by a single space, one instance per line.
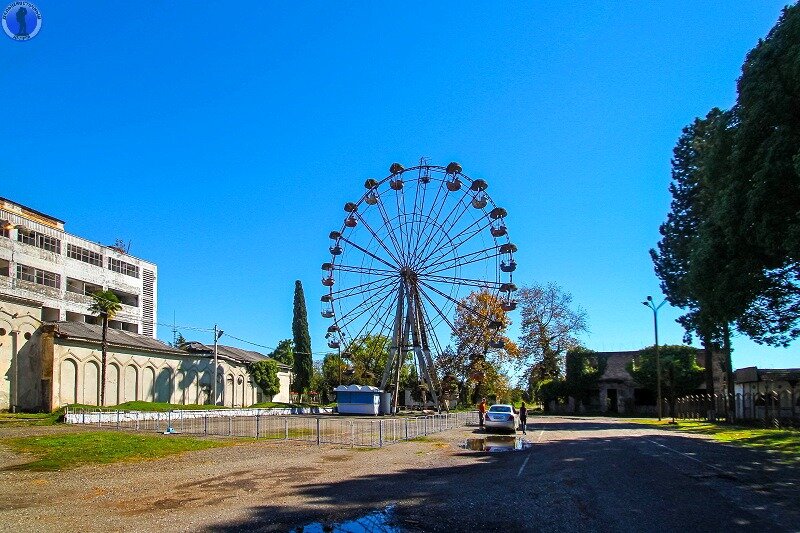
265 375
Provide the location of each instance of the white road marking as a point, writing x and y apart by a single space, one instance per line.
525 462
688 456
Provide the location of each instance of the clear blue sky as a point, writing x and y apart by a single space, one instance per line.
222 138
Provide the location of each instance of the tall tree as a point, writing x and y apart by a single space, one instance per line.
768 143
105 305
691 247
482 345
367 357
284 352
303 362
550 326
760 205
680 373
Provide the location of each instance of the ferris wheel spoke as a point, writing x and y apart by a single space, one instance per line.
381 321
455 301
461 281
443 237
364 270
433 241
431 227
438 310
378 297
389 227
428 324
456 242
378 239
356 289
448 263
367 252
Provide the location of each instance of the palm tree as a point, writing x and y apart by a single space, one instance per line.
106 305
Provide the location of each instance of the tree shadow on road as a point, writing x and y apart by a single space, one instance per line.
604 483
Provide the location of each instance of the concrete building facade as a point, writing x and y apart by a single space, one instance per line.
60 365
40 262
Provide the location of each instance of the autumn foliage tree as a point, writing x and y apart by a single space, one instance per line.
481 343
550 326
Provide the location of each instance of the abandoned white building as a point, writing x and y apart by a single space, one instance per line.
41 262
47 274
60 365
50 352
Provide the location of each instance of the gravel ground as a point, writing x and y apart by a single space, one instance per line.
579 474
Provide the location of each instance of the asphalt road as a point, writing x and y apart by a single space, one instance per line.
580 474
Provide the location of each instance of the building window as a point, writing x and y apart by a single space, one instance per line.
123 268
82 254
5 233
40 240
38 276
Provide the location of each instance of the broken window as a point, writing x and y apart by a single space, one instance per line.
122 267
82 254
40 240
39 276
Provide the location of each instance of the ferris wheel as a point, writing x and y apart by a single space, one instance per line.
410 250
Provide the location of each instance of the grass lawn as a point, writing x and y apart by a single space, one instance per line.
28 419
56 452
783 441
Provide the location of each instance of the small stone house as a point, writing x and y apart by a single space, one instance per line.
617 392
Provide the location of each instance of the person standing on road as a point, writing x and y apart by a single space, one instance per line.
523 417
482 412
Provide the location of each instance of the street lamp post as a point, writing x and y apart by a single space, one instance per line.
217 334
651 304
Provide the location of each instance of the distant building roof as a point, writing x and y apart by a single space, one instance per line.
117 337
752 374
229 352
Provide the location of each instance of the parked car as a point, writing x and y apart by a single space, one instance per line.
501 416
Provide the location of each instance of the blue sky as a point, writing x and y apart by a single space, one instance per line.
222 139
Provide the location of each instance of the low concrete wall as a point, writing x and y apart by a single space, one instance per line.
86 416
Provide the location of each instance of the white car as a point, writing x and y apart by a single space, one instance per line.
501 416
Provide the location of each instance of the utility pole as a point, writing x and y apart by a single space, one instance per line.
649 303
217 334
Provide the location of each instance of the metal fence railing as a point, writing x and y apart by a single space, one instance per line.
773 408
325 429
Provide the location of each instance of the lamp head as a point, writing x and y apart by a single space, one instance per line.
219 333
649 298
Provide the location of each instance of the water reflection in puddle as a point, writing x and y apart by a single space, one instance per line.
496 443
374 522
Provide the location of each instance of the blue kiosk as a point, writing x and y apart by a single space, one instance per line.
358 400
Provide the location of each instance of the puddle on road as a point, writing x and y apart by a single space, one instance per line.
377 522
496 443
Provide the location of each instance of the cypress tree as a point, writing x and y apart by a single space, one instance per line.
303 363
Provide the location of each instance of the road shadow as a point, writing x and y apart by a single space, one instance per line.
666 482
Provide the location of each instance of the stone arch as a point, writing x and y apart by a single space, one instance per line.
163 386
131 383
181 393
230 391
91 383
192 393
113 382
68 382
148 383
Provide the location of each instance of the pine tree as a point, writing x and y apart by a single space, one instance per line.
303 363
